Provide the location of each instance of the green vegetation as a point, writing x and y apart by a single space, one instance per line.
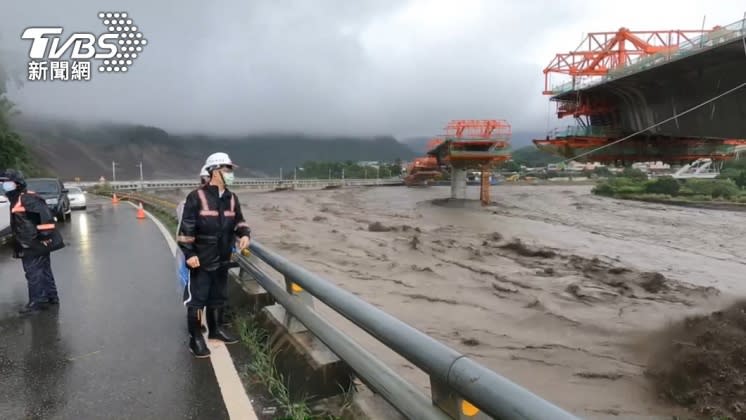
633 186
735 170
351 170
13 152
531 157
262 367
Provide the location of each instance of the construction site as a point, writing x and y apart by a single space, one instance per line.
672 96
467 147
654 99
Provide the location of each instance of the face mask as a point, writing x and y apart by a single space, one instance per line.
228 178
9 186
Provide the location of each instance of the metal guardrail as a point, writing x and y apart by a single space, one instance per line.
256 183
461 387
453 375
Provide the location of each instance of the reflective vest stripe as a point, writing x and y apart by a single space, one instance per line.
18 208
185 239
203 200
46 226
206 208
232 211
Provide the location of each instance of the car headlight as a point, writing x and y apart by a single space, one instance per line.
52 201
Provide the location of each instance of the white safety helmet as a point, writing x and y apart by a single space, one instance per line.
204 172
216 160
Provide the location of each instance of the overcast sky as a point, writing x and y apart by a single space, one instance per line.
333 66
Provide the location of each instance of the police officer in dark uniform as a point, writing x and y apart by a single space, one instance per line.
35 236
211 222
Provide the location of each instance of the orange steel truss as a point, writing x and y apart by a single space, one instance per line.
433 143
600 52
478 129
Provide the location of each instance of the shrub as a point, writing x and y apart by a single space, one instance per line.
715 188
699 197
630 189
668 186
740 180
634 174
603 188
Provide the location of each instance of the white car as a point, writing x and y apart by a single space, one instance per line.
4 216
77 198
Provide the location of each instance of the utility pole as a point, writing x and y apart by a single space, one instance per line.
280 174
141 177
113 171
343 174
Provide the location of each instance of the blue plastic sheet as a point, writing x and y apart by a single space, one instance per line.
182 271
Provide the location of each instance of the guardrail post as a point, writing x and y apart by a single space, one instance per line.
292 323
452 404
246 291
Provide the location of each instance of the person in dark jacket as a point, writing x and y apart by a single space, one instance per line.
35 236
211 222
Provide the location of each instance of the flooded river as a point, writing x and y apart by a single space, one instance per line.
556 289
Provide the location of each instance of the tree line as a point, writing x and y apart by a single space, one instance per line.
13 152
347 169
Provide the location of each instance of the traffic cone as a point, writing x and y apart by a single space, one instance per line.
114 199
140 212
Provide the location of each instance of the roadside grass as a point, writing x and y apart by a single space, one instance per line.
262 366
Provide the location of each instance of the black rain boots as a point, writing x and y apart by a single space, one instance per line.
197 343
214 316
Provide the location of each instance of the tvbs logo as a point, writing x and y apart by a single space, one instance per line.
116 49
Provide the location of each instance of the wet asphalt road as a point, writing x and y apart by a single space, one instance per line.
117 345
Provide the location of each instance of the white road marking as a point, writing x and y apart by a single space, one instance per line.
236 400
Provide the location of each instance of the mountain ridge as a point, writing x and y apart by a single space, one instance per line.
92 148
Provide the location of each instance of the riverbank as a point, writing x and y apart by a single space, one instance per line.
716 194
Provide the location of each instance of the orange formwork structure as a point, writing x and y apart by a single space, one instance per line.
421 171
473 144
601 52
606 63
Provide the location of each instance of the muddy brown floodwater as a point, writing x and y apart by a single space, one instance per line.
552 287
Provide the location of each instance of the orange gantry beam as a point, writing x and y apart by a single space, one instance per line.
600 52
480 129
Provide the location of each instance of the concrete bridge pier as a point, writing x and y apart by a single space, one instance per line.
458 184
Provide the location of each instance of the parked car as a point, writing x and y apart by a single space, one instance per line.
4 215
77 198
54 193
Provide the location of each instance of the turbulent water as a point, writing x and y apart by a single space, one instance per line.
552 287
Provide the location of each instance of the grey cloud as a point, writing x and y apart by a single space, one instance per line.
335 66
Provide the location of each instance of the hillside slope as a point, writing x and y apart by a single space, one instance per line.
71 150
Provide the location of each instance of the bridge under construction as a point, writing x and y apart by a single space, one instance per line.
466 145
672 96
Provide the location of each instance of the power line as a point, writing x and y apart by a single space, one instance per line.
673 117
